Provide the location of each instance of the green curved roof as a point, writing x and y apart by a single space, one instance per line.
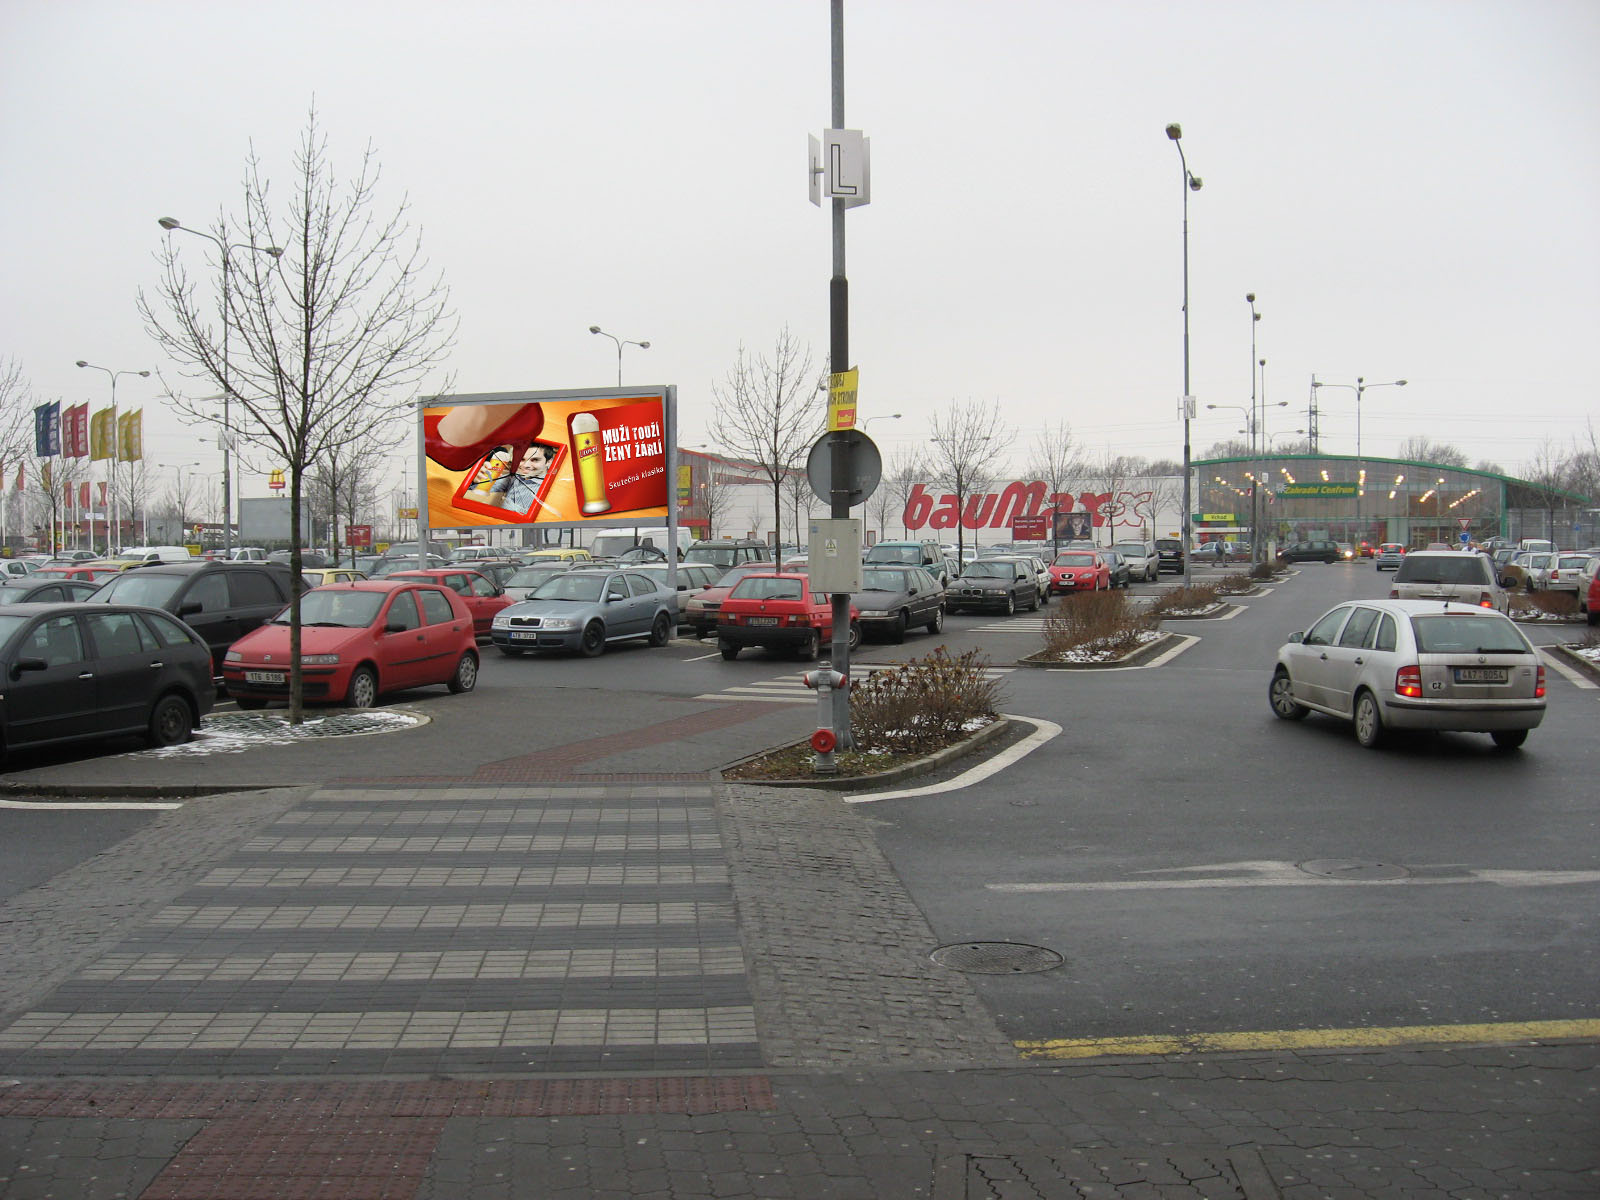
1505 480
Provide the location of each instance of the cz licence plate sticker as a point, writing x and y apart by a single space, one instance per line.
264 677
763 620
1480 674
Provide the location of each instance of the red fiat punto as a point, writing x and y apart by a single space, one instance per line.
358 641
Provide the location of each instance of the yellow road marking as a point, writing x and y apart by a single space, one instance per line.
1310 1039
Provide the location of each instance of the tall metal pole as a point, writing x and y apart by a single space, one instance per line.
1191 183
839 359
1255 464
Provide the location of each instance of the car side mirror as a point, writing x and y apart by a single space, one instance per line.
189 607
27 664
1296 637
396 627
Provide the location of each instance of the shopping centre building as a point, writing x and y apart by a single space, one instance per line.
1367 499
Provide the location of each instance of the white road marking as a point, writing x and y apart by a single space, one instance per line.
101 805
1573 676
1043 731
1287 874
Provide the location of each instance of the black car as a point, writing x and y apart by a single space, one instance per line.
46 591
221 601
1323 552
894 598
997 583
75 671
1121 576
1170 553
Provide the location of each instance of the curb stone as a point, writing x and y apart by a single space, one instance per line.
1583 665
847 783
1132 658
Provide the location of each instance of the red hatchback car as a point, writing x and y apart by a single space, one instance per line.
358 641
484 597
1079 571
780 612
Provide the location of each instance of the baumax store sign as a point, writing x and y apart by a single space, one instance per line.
1316 489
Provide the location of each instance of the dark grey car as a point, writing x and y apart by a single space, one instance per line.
893 599
1003 585
75 672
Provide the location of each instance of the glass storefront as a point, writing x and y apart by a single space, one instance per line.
1295 498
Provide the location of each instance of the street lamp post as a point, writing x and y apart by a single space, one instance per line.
112 469
1255 490
1191 183
880 417
1358 387
620 344
169 224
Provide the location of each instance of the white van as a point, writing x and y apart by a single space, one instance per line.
155 554
614 543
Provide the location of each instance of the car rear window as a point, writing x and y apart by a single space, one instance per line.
1455 568
762 588
1468 633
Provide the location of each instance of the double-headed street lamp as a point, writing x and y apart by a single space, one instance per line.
1358 387
620 344
113 468
169 224
1191 183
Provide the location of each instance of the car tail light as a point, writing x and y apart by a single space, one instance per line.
1485 600
1538 685
1408 681
1394 593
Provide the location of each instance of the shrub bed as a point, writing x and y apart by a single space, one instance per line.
1184 600
1095 624
1548 604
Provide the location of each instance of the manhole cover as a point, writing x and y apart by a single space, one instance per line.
1353 868
996 958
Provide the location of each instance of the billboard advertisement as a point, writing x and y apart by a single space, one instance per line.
594 457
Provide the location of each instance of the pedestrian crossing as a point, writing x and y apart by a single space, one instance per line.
791 689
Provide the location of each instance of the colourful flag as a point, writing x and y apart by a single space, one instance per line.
45 480
75 431
83 495
101 432
20 480
130 436
102 493
47 429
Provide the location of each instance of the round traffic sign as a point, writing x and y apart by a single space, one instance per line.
861 476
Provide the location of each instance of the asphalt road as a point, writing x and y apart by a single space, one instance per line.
1204 866
37 844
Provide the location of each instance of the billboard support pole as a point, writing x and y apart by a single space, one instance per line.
424 530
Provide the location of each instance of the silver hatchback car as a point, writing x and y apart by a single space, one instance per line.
1413 664
1449 575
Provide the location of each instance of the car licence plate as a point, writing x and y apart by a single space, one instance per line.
763 620
524 635
1480 674
263 676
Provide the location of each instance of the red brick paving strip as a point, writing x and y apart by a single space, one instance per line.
332 1140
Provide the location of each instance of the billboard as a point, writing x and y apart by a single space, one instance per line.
596 457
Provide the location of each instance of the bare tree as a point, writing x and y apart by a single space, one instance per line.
1109 474
16 435
328 341
904 471
965 440
345 481
1056 460
770 411
712 495
1421 448
797 487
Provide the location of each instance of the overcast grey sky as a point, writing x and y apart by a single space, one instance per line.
1410 187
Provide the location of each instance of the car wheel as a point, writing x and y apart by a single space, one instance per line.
1281 696
811 648
1369 721
730 650
1010 604
465 677
936 622
511 651
897 631
171 721
249 703
363 689
594 640
1509 739
661 631
1033 605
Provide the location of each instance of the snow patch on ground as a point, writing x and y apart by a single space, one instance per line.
233 733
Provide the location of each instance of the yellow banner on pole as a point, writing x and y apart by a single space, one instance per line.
842 399
130 436
102 434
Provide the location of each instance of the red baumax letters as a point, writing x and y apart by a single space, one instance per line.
995 510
